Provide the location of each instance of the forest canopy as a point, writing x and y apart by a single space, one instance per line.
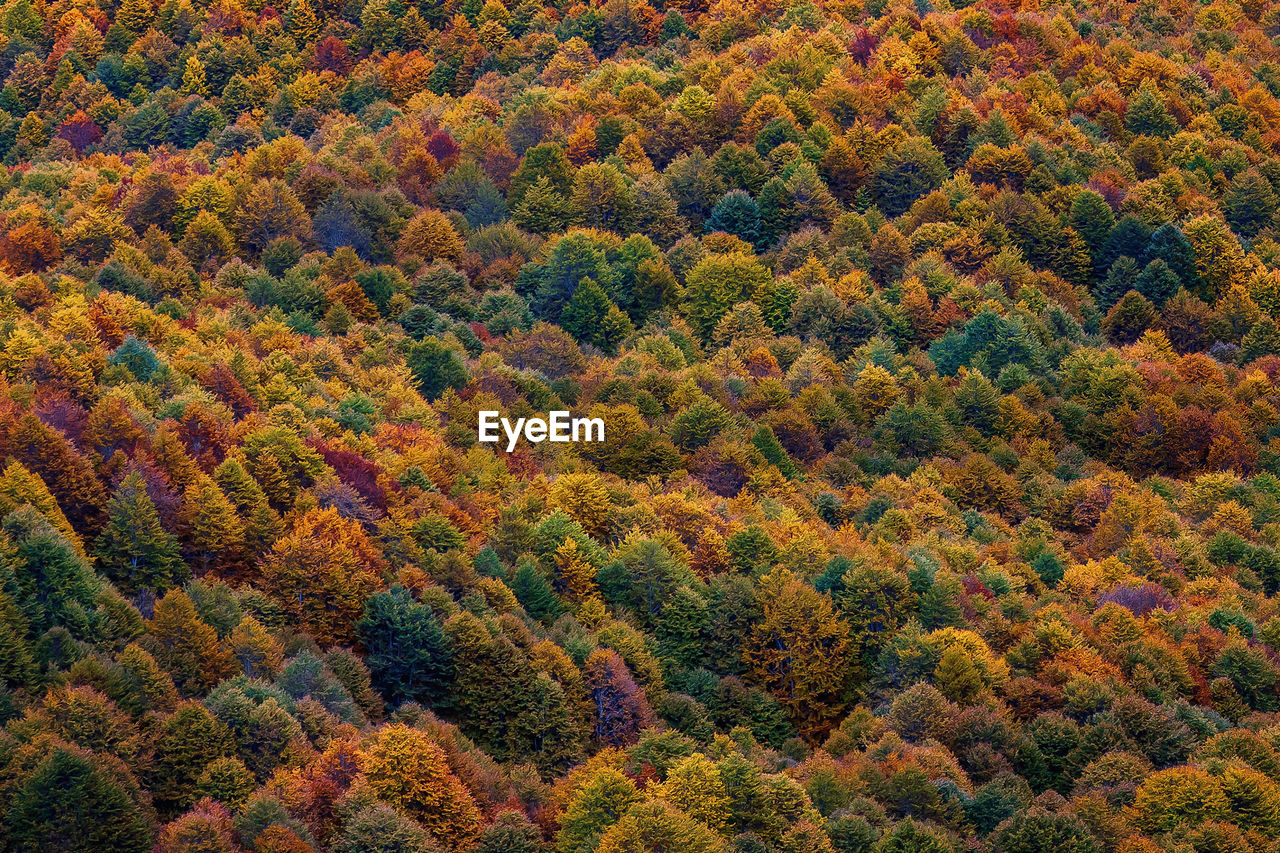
937 345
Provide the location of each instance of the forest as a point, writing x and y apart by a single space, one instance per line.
937 345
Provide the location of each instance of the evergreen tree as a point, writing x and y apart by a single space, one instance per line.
542 210
1158 283
1169 244
407 651
1147 114
133 549
546 726
69 804
51 584
436 368
535 594
1121 278
1251 203
1093 219
585 311
907 172
738 214
185 744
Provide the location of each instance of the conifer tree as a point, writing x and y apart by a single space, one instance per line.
187 741
70 802
133 549
408 654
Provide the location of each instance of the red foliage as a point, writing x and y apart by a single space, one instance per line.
224 385
354 470
333 55
80 131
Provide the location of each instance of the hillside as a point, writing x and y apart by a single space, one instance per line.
937 349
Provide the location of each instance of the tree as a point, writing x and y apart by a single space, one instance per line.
71 803
911 837
258 653
1169 244
575 576
620 709
48 580
271 211
657 826
301 22
133 549
716 284
409 771
1129 318
431 236
206 828
407 651
194 79
547 726
584 498
585 313
682 628
46 453
601 198
381 828
535 593
542 210
1219 260
1093 220
738 214
188 741
1158 283
322 573
956 676
596 803
811 202
694 787
545 160
436 368
206 239
212 533
511 832
1251 203
136 357
800 652
185 646
907 172
1147 114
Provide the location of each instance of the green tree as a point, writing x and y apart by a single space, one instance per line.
70 804
1147 114
407 651
1093 220
436 368
542 209
185 744
1251 203
1158 283
601 198
907 172
716 284
133 549
598 802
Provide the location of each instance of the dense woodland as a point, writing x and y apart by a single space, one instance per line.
938 347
